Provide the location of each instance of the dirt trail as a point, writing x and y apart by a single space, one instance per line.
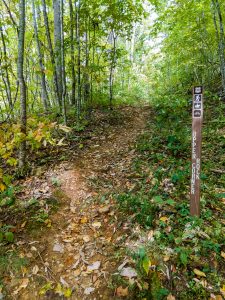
80 250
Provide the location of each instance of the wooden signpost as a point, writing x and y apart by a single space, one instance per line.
197 119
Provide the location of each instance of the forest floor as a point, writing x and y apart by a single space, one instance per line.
80 247
106 215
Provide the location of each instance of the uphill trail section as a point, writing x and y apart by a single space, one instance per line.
77 253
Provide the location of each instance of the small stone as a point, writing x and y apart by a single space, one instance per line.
58 248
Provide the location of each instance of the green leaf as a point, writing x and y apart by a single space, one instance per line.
9 236
146 264
184 258
67 293
171 202
47 287
158 200
220 196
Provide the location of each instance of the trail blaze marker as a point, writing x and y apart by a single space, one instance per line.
197 118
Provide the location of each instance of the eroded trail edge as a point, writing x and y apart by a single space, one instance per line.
80 251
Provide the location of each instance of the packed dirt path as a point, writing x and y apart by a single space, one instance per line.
81 250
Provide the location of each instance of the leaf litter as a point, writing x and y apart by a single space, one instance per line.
75 256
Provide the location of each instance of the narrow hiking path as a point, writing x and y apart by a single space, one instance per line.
80 250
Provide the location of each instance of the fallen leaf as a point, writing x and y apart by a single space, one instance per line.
89 290
24 224
222 290
166 258
62 291
58 248
23 285
47 287
77 272
83 220
204 283
150 235
67 292
48 223
199 273
163 219
35 270
170 297
146 264
95 266
223 254
128 272
96 224
122 292
86 238
104 209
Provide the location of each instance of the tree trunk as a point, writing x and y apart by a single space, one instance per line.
86 75
58 46
7 81
63 67
44 92
23 104
112 68
72 56
221 39
51 51
77 7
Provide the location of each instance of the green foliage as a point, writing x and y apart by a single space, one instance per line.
139 206
162 178
7 198
6 235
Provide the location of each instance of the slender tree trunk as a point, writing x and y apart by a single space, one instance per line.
63 66
7 81
77 8
56 91
86 75
58 46
23 104
72 56
132 49
112 69
44 92
221 39
93 63
11 17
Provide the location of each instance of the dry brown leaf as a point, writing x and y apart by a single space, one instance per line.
95 266
96 224
35 270
122 292
23 285
24 224
77 272
104 209
166 258
128 272
223 254
86 238
170 297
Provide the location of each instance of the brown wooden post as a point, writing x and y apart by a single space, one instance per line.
197 119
